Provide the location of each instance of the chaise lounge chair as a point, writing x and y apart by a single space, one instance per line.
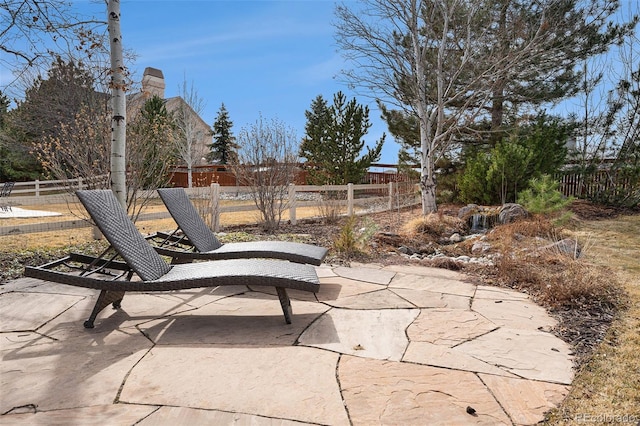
201 243
113 277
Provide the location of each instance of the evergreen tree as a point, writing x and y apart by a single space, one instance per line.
55 100
15 161
224 148
535 149
150 136
334 141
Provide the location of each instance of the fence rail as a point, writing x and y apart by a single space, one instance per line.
392 197
39 188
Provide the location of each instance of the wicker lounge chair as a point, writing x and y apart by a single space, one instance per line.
113 277
198 242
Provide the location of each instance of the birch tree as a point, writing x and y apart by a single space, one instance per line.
445 62
118 105
189 127
423 56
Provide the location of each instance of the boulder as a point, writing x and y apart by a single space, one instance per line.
468 210
511 212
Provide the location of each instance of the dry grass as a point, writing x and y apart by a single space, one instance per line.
609 383
433 225
74 211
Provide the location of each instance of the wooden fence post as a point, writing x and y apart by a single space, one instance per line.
390 207
37 187
292 204
349 199
215 207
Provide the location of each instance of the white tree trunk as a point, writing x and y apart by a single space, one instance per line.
118 105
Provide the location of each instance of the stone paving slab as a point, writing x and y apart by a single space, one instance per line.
433 299
370 334
376 345
530 354
427 271
370 275
434 284
253 319
381 299
17 340
514 313
79 372
197 297
449 327
55 288
29 311
396 393
456 359
172 416
21 284
337 288
100 415
291 383
136 309
496 293
525 401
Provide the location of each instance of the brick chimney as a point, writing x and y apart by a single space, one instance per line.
153 82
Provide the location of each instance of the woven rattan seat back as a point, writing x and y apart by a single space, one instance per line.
188 219
124 237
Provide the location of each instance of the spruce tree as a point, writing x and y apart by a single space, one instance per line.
333 141
224 148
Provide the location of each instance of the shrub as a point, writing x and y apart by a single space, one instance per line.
352 241
473 181
543 196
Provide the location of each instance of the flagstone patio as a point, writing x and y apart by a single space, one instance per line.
377 345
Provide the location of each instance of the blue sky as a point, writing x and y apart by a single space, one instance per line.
269 58
258 57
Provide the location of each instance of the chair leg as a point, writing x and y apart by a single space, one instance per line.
285 303
104 299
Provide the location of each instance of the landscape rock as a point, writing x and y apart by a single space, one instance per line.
480 247
456 238
468 210
405 250
511 212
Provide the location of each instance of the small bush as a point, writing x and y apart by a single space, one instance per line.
543 196
351 241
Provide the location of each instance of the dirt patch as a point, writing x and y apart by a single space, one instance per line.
584 210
